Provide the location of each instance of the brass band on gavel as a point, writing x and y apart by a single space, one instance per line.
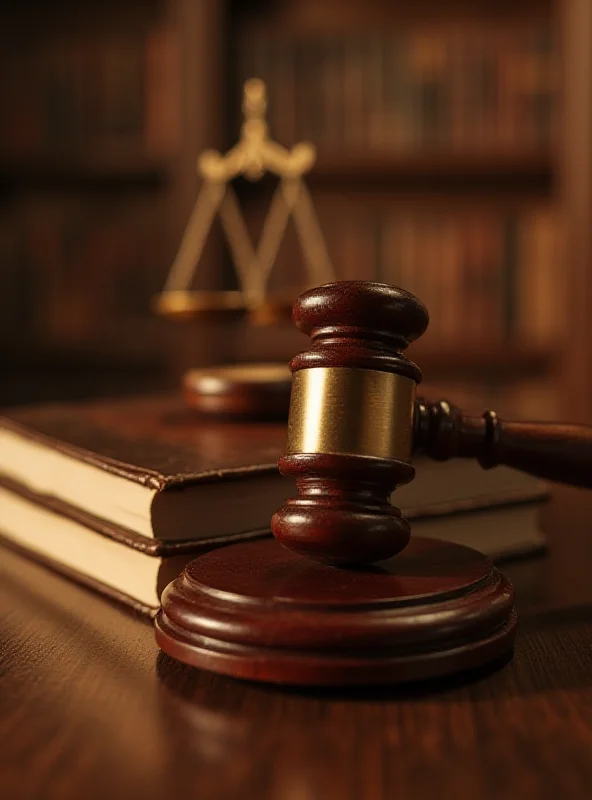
351 411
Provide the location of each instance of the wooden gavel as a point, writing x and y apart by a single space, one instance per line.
354 424
319 615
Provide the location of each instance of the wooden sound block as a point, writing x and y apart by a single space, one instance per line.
239 391
256 610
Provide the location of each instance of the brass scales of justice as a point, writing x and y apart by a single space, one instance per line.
246 389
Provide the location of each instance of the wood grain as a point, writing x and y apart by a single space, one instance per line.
89 709
259 611
555 451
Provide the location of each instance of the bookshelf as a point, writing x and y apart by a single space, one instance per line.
438 129
102 122
575 193
453 138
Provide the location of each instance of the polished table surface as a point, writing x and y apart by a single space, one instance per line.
90 709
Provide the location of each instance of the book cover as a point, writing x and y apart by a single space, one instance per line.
147 465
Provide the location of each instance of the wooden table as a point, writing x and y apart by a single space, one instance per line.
90 709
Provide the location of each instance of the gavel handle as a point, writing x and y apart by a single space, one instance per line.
553 451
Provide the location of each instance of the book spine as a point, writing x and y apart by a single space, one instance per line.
162 105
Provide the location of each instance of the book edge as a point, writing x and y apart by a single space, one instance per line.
477 504
151 479
157 548
120 598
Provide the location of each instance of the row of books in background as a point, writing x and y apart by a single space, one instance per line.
71 271
100 93
458 87
487 274
464 88
79 273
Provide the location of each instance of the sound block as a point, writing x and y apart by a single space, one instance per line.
239 391
256 610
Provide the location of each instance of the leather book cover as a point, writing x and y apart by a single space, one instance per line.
154 441
145 470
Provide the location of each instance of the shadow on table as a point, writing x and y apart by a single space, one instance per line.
553 652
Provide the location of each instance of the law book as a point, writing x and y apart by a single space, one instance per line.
131 575
122 493
135 572
147 466
93 552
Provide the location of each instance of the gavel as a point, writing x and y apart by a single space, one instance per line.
351 598
354 424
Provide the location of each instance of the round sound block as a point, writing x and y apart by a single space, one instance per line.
256 610
239 391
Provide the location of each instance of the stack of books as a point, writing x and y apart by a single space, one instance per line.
121 494
489 272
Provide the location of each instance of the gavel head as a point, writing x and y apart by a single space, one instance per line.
350 426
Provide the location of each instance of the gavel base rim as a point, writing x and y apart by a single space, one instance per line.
257 611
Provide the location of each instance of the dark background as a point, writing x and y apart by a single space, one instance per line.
453 160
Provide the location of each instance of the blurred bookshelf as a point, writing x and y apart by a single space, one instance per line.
439 132
102 120
442 167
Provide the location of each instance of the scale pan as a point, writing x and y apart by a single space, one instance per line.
197 305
